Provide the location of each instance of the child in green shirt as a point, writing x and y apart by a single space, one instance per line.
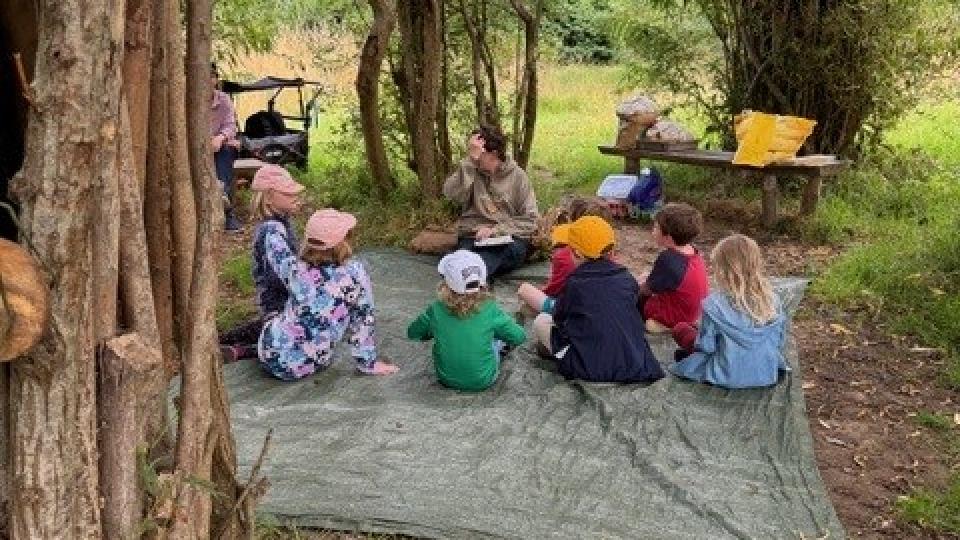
467 327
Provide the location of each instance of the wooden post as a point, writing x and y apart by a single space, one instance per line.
128 376
771 194
811 196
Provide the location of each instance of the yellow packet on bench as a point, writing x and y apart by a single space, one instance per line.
764 138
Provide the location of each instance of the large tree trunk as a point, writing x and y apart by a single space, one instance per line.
419 22
70 139
136 79
525 117
368 92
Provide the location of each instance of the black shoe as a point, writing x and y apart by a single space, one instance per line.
544 352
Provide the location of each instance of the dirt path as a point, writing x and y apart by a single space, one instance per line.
862 387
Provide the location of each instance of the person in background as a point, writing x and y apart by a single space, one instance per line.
496 199
276 197
224 143
739 343
468 328
330 297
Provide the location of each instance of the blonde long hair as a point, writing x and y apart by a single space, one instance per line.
738 268
461 305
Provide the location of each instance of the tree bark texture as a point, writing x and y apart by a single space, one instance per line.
130 375
420 32
205 449
136 80
70 154
482 66
157 190
525 116
368 92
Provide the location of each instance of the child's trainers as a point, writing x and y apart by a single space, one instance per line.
654 327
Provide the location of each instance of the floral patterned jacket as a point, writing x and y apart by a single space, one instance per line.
325 304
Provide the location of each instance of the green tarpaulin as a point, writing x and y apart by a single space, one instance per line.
535 456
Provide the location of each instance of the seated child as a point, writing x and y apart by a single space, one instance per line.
276 196
592 333
740 340
329 297
467 326
561 260
677 284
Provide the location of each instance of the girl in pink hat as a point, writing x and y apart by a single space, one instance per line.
330 298
276 197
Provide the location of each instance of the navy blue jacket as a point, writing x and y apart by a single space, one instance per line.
271 291
598 334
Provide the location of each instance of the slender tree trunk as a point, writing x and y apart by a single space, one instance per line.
445 156
183 207
158 191
136 79
525 118
70 142
205 449
368 92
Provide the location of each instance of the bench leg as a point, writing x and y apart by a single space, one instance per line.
811 195
631 165
771 194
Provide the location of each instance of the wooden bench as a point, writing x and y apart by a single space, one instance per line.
814 168
244 169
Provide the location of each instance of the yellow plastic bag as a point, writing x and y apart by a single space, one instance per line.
765 138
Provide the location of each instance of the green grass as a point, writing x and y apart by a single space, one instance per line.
940 511
934 421
236 271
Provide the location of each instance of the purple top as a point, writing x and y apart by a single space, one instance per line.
223 118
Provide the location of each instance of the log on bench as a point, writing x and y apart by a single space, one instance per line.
814 168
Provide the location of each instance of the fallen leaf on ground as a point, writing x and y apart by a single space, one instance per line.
836 441
808 385
824 423
840 329
860 460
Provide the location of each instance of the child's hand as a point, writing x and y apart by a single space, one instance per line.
382 367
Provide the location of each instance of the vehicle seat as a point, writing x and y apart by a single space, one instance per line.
264 124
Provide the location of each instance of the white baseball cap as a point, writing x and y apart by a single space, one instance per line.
463 271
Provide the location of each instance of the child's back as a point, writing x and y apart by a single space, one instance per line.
467 326
732 350
465 354
594 333
597 336
677 284
740 340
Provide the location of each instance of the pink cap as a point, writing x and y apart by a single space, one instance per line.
328 227
276 178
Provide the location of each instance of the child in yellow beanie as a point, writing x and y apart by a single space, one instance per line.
595 332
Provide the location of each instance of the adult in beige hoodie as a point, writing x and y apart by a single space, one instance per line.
496 198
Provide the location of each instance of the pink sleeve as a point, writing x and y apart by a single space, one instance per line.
561 266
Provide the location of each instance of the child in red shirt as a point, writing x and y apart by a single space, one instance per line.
561 260
677 284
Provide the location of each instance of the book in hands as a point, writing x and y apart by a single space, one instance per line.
494 241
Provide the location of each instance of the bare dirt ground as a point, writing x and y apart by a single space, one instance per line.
863 385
